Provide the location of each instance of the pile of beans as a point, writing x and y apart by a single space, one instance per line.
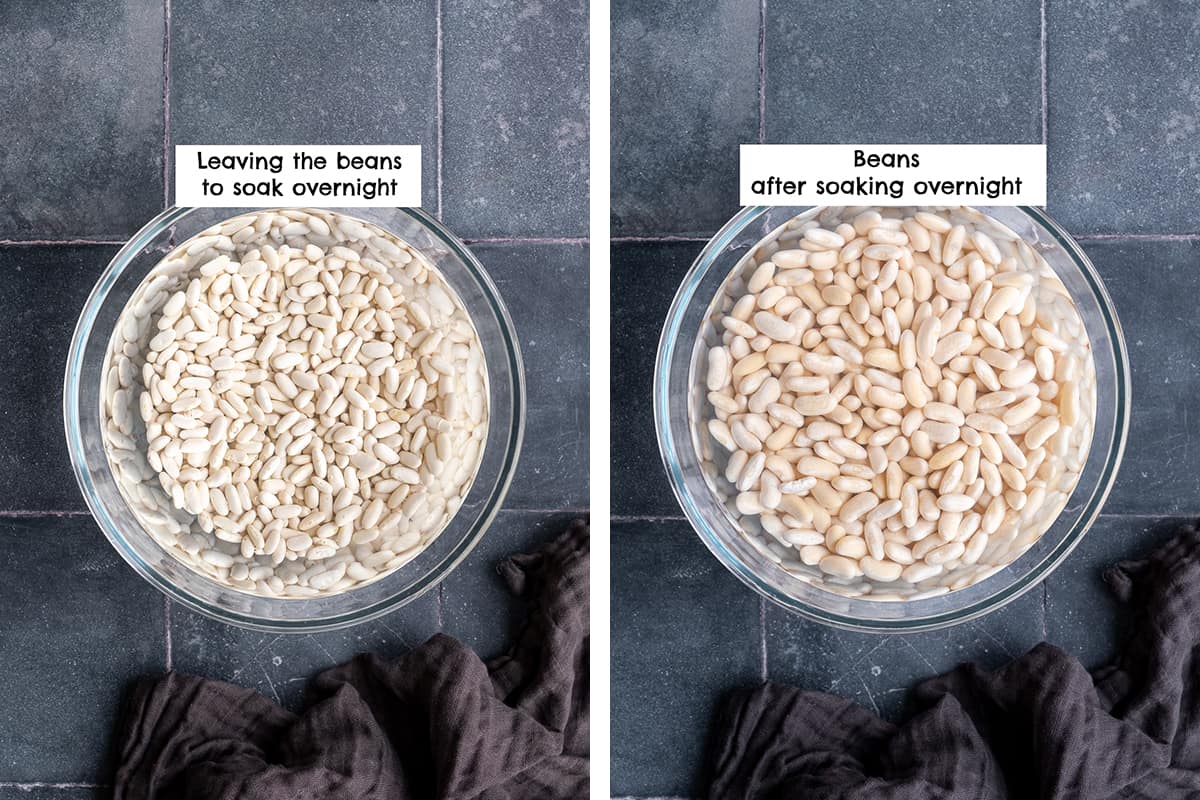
295 403
902 400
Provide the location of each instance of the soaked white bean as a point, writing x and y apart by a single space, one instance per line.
900 388
298 403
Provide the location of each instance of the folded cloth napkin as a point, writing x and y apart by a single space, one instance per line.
435 723
1041 727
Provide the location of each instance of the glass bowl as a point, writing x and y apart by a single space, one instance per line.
82 417
680 397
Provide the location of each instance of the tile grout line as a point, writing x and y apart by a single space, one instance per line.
528 240
38 785
19 513
762 636
441 601
1138 237
1045 609
166 103
762 72
167 620
657 239
647 518
1045 92
59 242
437 11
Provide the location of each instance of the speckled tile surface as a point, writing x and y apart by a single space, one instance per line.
684 95
684 630
35 467
644 279
79 626
1124 116
329 89
515 118
834 72
81 118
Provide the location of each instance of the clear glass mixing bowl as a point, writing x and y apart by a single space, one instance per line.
680 397
82 417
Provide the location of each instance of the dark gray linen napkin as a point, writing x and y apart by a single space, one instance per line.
435 723
1041 727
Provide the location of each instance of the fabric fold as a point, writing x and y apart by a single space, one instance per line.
1040 727
434 723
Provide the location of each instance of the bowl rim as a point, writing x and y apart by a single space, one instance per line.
1002 596
492 503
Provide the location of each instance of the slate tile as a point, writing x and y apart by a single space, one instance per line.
684 632
515 99
80 627
1152 284
545 287
645 277
684 96
477 607
34 462
1082 616
81 118
473 602
876 670
279 666
1124 121
349 73
966 73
